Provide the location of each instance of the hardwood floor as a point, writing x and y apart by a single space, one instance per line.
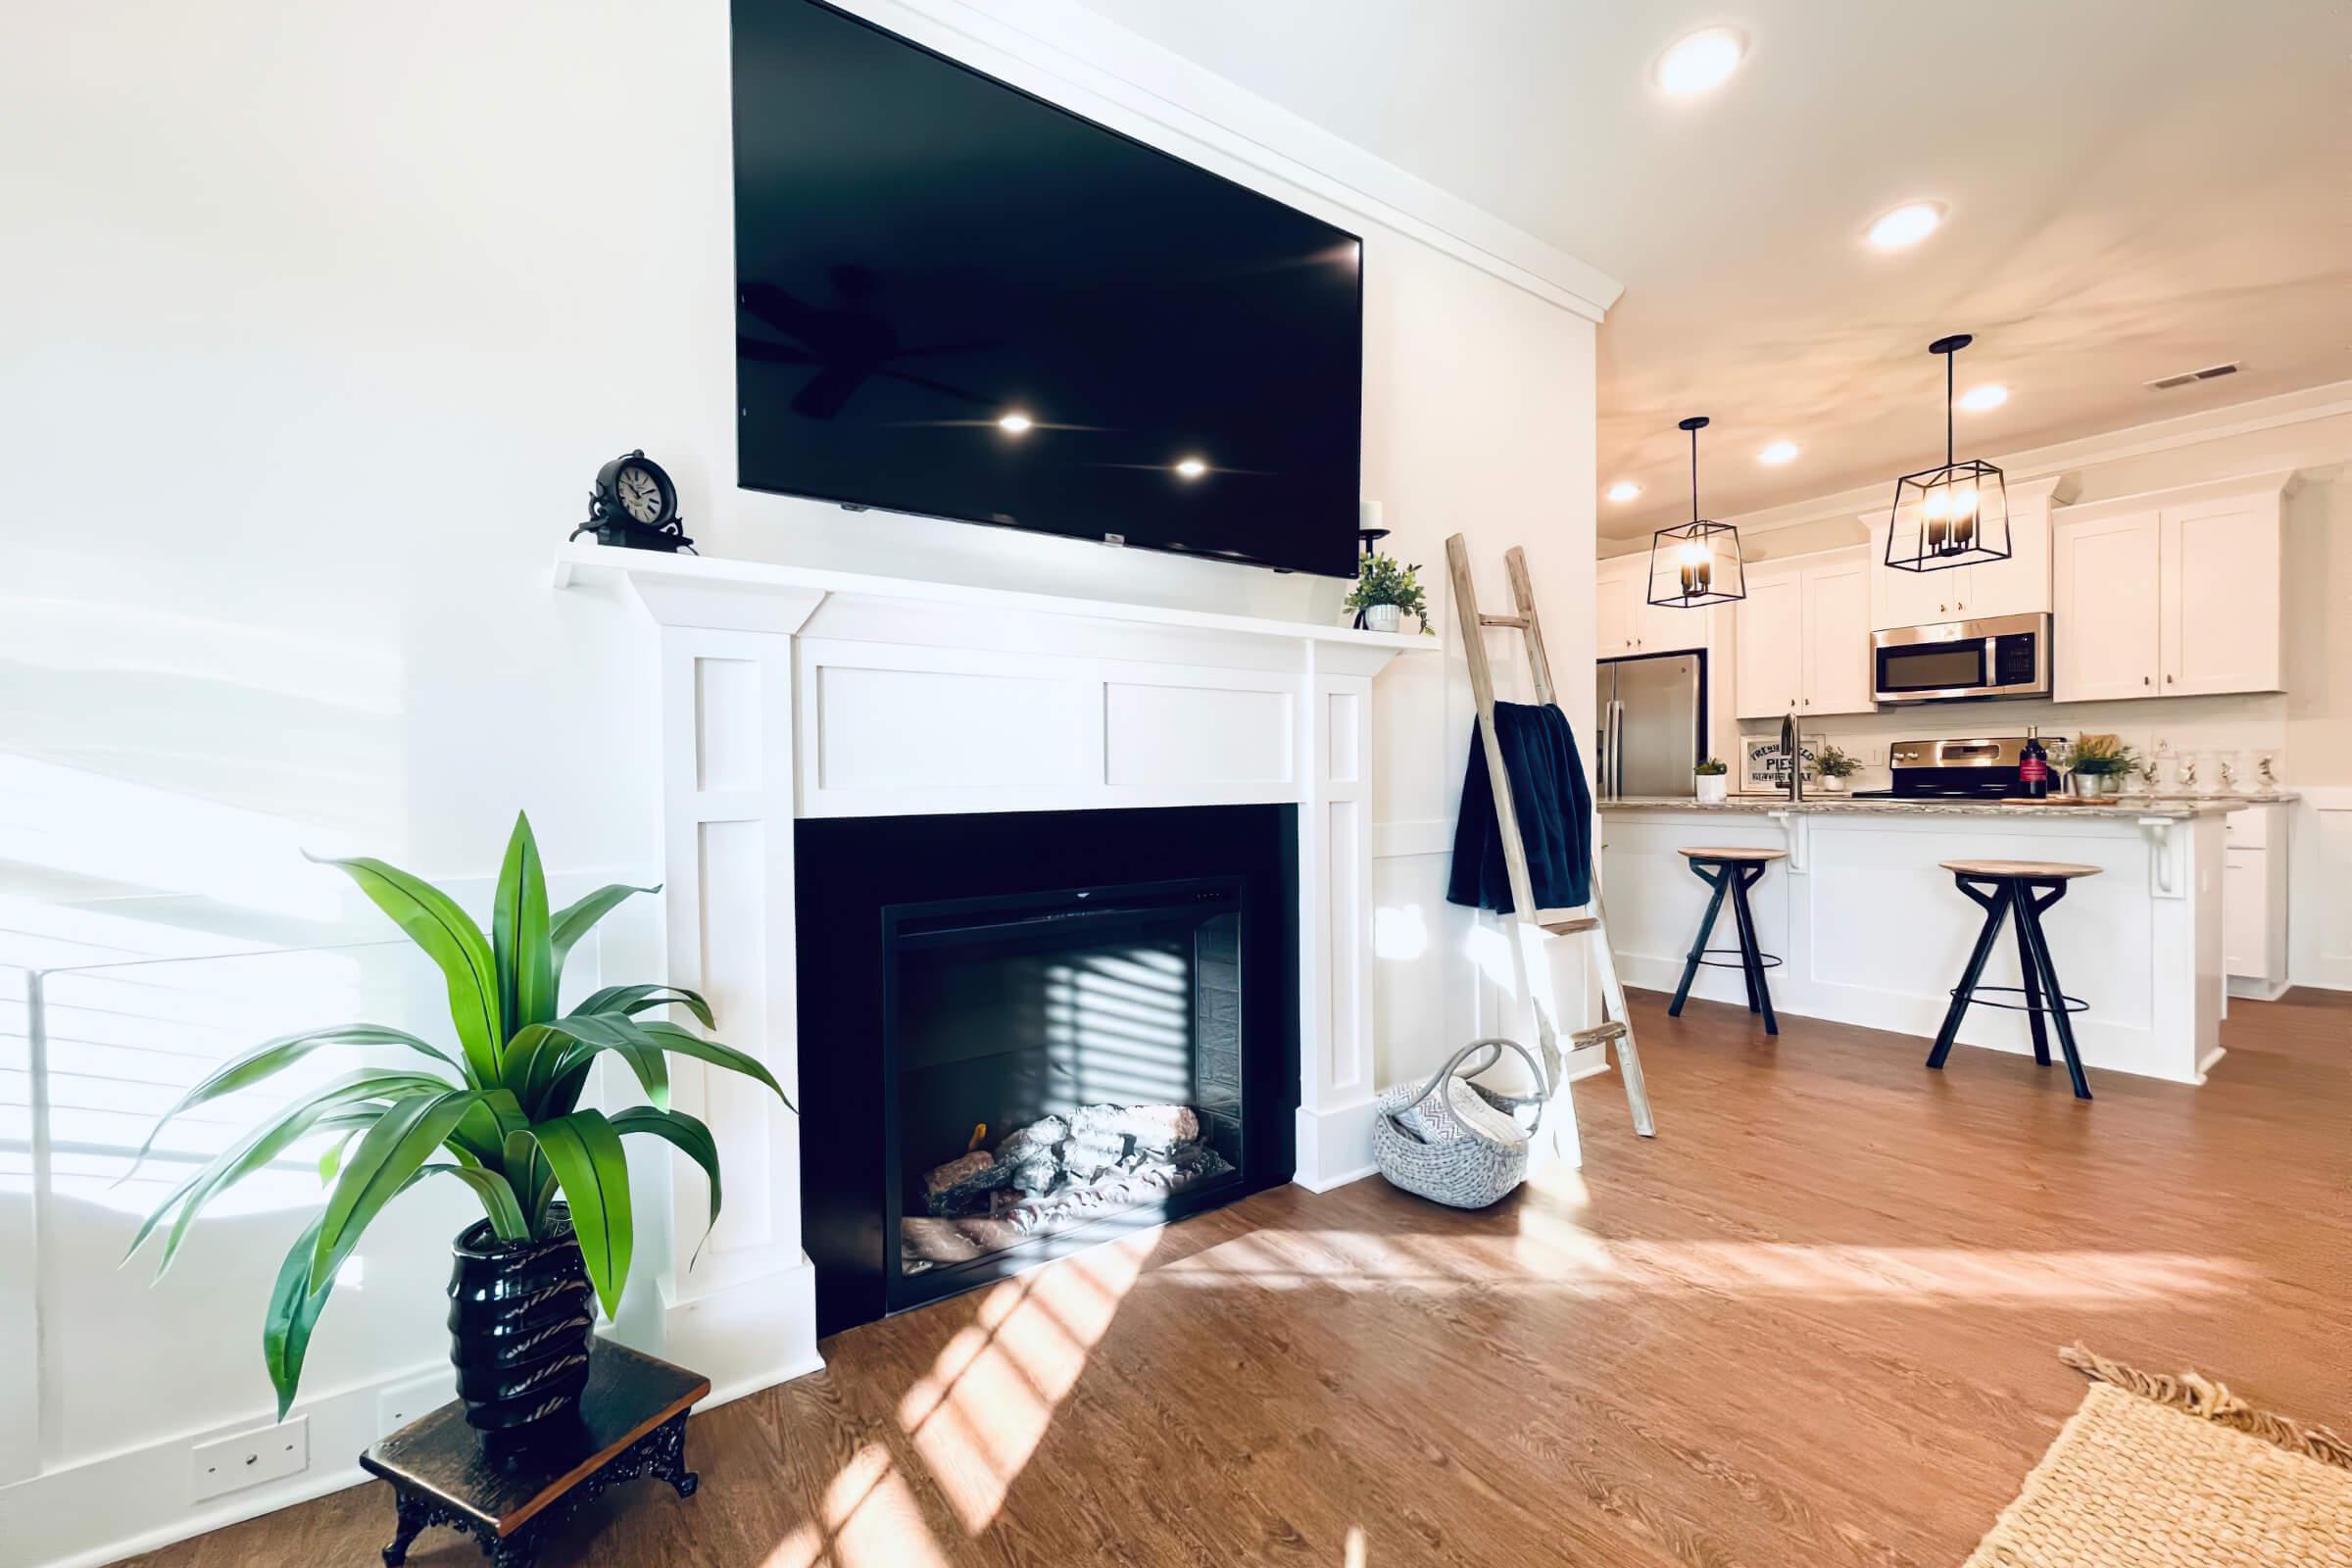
1812 1323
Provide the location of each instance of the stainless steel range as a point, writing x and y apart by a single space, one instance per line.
1982 769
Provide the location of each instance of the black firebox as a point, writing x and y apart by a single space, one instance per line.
1021 1033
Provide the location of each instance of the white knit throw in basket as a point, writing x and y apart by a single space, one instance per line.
1456 1142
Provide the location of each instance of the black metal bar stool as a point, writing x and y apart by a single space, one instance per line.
1731 871
2027 888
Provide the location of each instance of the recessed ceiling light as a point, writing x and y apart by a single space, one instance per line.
1977 399
1191 467
1624 490
1778 452
1906 225
1015 423
1701 61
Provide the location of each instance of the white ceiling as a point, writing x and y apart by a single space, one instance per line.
2136 188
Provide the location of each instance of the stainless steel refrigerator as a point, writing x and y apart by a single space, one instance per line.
1652 712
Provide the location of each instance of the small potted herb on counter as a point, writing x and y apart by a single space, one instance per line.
1835 768
1385 592
2101 764
1713 777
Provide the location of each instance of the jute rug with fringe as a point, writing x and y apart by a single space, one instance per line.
2178 1472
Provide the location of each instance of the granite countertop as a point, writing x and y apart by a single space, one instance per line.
2182 807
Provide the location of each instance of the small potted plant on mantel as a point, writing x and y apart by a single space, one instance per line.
501 1114
1835 768
1386 592
1713 777
2100 765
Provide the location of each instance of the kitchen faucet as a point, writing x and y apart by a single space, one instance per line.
1789 750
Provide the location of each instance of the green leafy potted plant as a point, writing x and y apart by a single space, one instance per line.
502 1117
1834 767
2101 764
1386 592
1713 777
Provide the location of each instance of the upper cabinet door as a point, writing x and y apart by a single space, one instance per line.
2104 591
1837 643
1902 598
1770 625
2021 584
1615 593
2220 617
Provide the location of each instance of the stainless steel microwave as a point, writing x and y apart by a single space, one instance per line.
1955 660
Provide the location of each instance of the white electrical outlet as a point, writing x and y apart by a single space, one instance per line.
266 1453
404 1402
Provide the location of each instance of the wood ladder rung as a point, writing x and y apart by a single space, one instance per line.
1557 924
1516 622
1601 1034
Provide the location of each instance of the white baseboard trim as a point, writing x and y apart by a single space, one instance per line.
1334 1146
2206 1062
2259 990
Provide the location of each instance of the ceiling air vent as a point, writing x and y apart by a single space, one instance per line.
2165 384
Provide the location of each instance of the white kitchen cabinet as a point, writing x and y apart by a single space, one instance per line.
1803 635
1625 622
1838 654
2019 585
2105 586
2174 594
2254 900
2220 597
1613 590
1770 626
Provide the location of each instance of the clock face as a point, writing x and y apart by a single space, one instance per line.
640 494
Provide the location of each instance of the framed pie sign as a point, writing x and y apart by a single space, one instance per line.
1764 768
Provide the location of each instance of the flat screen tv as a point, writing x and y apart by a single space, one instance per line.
958 299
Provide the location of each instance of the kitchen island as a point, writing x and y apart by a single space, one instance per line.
1871 931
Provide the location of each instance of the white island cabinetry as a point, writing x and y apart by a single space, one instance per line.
1871 931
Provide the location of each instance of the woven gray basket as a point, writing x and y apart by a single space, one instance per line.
1464 1152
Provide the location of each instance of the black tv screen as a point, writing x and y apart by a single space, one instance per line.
958 299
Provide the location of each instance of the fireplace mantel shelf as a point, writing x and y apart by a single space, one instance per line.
737 578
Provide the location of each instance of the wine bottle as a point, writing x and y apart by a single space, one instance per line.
2034 767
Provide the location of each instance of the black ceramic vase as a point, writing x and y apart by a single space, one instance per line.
521 1317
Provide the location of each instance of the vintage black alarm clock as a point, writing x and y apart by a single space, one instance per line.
635 504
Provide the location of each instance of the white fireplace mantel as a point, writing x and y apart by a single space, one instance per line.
788 693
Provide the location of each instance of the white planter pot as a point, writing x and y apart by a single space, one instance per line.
1383 617
1831 786
1712 787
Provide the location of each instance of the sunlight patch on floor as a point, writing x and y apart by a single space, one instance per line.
986 1403
1550 1254
871 1520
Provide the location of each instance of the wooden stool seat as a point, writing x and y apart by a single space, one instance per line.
1731 871
2025 889
2028 870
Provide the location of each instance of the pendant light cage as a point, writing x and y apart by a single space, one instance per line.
1955 514
1697 564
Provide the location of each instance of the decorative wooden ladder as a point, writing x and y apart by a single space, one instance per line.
1533 926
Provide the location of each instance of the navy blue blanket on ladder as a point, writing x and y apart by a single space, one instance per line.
1553 805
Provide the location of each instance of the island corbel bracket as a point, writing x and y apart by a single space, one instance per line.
2159 830
1792 823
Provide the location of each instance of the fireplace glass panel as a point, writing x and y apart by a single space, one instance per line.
1065 1062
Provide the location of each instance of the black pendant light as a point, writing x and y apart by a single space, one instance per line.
1697 564
1954 515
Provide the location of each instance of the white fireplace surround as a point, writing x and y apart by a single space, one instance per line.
788 693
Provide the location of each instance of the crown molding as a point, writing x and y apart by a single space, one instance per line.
1085 62
2308 405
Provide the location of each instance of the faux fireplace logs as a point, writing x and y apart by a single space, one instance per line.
1055 1173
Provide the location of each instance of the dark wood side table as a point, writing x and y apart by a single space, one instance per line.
633 1424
